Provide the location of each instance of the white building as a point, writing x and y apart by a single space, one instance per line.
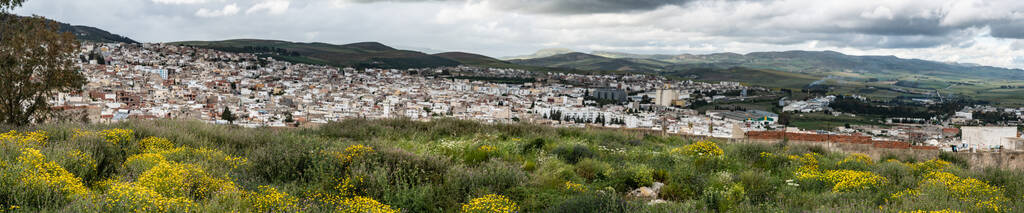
988 138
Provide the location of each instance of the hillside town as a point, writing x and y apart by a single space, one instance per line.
150 81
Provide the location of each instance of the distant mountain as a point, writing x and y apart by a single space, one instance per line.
583 61
541 53
472 59
817 63
358 55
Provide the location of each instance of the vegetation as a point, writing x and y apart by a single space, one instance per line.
462 166
36 62
357 55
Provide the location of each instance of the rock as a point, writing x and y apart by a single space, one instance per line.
656 201
644 193
657 187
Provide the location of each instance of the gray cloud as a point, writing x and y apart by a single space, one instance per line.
566 6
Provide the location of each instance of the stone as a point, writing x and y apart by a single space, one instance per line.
656 201
644 193
656 186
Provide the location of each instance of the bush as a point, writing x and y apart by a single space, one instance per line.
533 145
480 153
760 186
591 169
573 154
632 176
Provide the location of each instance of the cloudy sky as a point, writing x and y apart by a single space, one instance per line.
989 32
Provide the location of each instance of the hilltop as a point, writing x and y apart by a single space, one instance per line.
358 55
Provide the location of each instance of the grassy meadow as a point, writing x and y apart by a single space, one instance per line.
463 166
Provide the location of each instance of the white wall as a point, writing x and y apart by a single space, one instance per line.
985 137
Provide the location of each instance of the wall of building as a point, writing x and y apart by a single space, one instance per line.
984 138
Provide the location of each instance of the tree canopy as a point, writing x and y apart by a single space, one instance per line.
36 63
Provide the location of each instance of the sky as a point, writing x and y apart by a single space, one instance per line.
989 32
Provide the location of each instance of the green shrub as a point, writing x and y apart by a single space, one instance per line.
632 176
479 153
591 169
574 153
533 145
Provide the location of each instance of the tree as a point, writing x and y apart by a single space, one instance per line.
228 116
9 4
288 118
36 63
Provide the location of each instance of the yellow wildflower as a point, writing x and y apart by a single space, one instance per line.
700 149
155 144
490 203
268 199
574 187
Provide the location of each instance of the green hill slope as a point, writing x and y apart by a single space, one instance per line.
583 61
358 55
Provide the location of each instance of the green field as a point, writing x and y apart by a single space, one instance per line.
821 121
462 166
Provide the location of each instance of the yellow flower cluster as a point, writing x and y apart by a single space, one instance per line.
352 152
155 144
486 148
857 158
208 155
490 203
574 187
359 204
144 161
118 136
905 194
183 180
939 211
27 139
842 180
930 166
39 174
808 165
136 198
701 149
268 199
852 180
970 190
84 159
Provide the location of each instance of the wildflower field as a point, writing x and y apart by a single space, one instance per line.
464 166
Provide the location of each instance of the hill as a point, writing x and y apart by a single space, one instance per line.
87 33
474 59
823 63
583 61
358 55
454 166
541 53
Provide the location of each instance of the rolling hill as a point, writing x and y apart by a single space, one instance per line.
583 61
87 33
825 63
358 55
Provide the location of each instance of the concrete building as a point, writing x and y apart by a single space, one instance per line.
617 95
990 138
664 97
